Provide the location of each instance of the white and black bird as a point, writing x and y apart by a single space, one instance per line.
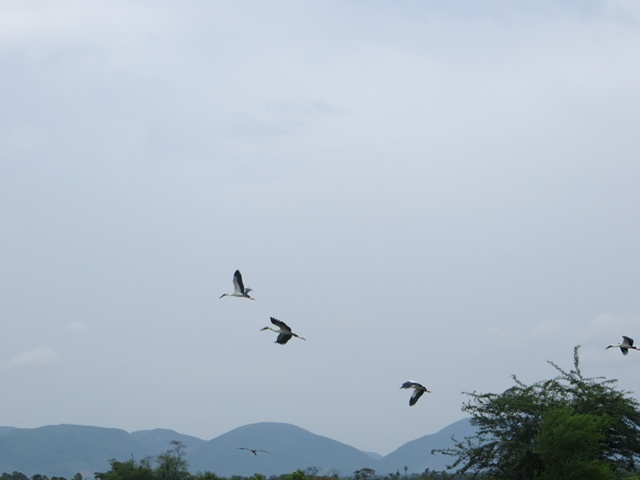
418 390
283 330
626 344
239 289
254 451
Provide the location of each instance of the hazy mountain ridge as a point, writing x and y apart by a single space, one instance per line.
63 450
158 439
289 447
411 454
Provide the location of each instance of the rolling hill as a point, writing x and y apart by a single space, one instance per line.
416 454
64 450
289 447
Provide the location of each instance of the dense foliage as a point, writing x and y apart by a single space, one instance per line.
568 427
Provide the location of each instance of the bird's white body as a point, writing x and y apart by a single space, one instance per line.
418 390
283 330
627 343
238 288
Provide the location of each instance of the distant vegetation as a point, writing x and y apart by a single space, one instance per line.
172 465
143 470
569 427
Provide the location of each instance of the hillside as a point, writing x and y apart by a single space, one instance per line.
159 439
416 454
289 448
63 450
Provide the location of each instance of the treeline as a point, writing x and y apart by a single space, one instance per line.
172 465
569 427
37 476
132 470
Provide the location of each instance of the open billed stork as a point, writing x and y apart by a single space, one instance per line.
283 330
254 451
418 390
238 288
626 344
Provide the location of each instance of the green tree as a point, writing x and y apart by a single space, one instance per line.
172 464
14 476
364 473
312 472
513 439
129 470
297 475
571 445
206 476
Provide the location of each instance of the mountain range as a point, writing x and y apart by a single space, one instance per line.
64 450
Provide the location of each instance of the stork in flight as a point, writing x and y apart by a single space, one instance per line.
418 390
626 344
238 288
283 331
252 450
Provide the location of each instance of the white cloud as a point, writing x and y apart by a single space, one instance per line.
36 356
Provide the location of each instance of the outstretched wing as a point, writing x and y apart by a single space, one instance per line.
628 340
414 398
238 286
283 338
281 324
411 384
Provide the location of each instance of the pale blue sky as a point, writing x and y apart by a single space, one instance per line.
439 191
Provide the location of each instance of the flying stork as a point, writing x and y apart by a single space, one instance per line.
418 390
283 331
626 344
238 288
252 450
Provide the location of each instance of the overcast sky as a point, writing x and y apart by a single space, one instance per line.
438 191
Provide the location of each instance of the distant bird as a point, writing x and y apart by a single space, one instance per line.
626 344
238 288
283 331
252 450
418 390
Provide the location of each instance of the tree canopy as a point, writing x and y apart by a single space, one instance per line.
569 427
